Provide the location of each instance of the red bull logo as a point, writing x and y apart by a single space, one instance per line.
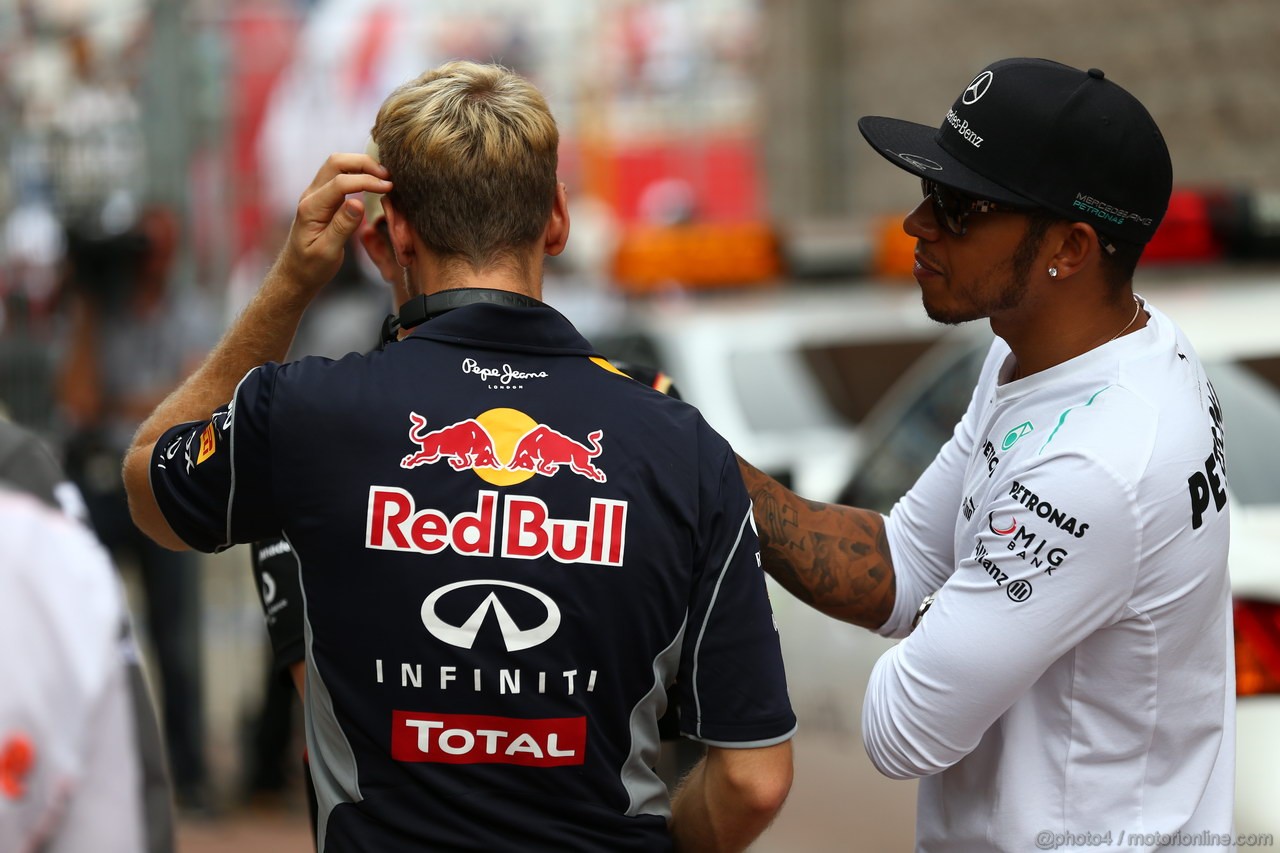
504 447
465 444
518 526
545 450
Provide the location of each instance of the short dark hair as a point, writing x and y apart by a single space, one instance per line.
1117 267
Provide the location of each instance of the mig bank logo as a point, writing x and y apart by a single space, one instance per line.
1012 436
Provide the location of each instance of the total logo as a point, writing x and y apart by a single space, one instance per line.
528 531
504 447
485 739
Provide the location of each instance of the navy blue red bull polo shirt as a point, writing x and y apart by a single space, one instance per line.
508 551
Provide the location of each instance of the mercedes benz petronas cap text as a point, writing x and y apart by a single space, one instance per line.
1036 133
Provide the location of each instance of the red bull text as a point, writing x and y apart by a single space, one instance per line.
528 531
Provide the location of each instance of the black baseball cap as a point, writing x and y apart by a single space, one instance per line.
1039 134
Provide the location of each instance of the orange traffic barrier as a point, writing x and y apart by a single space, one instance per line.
700 255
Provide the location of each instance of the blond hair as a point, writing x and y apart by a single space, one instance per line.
472 151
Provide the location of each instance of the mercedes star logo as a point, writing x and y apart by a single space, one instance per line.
977 88
464 636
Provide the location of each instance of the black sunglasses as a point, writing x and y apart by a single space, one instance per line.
953 207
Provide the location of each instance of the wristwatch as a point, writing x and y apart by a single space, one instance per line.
924 606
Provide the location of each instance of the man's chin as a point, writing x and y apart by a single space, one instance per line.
950 316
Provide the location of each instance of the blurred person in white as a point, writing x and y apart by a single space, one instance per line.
80 759
130 342
1072 678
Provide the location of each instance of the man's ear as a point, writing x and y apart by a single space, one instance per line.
377 245
1079 242
401 234
557 231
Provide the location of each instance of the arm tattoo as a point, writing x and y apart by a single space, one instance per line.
834 558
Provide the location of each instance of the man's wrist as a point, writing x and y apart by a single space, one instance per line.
288 282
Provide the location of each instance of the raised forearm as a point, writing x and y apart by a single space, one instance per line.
326 217
262 333
834 558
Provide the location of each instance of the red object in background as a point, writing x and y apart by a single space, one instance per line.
262 42
1257 625
1186 233
722 174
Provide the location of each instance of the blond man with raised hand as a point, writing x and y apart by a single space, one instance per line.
508 548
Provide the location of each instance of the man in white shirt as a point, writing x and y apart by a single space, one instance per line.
81 766
1071 684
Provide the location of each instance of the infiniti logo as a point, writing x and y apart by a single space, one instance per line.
464 636
977 88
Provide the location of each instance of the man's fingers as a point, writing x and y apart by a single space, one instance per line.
348 163
322 202
347 220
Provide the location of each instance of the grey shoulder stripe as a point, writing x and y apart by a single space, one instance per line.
697 648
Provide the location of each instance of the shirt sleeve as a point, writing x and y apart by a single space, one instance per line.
732 687
1024 593
275 567
212 479
921 528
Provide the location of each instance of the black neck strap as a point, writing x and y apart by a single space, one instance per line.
420 309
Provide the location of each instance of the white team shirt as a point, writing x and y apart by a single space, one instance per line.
69 775
1075 673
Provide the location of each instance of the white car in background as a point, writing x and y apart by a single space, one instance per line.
785 374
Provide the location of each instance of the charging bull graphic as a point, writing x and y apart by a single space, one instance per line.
465 444
544 450
480 443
